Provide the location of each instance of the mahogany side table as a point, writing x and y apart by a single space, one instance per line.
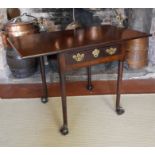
76 49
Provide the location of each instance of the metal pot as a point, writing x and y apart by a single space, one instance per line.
20 26
16 27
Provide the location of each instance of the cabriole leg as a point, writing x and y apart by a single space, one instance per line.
44 98
89 83
119 109
64 128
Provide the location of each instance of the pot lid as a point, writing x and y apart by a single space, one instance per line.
23 19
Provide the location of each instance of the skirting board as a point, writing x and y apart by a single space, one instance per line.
77 88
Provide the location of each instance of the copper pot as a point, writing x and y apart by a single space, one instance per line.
137 56
17 27
20 68
20 29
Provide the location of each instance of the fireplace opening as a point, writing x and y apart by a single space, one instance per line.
54 19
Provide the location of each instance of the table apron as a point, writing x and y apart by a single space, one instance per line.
74 59
94 62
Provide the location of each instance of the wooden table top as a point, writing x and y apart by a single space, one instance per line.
48 43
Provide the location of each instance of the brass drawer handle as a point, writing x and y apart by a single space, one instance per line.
78 57
111 51
96 52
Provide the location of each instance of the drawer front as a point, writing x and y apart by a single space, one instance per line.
91 54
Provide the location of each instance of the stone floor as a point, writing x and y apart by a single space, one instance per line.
106 71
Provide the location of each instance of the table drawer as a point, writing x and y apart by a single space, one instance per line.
91 54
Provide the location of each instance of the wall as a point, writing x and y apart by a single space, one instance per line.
152 40
139 19
86 17
4 69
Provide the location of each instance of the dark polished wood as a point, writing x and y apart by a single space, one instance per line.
119 109
84 59
64 128
44 98
79 48
89 82
48 43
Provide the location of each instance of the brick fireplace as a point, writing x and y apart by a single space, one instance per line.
60 18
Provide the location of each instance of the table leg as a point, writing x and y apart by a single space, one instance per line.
64 128
119 109
89 83
44 98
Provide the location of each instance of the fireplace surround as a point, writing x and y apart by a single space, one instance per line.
60 18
